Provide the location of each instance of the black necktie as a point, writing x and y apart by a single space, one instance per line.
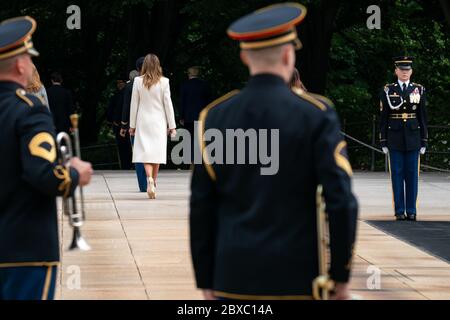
403 90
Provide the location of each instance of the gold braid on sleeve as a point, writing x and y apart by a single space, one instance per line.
62 173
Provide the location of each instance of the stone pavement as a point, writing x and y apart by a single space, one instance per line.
141 247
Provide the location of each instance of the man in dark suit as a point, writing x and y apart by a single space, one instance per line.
31 174
60 103
114 117
404 136
253 234
195 95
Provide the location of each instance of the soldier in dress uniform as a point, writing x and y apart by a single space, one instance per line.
30 174
404 136
254 236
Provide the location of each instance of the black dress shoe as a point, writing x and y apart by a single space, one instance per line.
411 217
400 217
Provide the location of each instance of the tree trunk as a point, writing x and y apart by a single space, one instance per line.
151 30
316 33
96 81
138 21
163 16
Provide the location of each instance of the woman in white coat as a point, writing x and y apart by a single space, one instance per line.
151 119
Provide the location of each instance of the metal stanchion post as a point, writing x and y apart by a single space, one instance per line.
386 164
372 164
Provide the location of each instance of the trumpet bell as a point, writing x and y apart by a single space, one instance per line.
78 242
322 286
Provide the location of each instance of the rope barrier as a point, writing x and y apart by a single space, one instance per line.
361 143
434 168
381 152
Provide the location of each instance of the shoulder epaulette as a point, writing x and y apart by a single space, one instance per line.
417 84
216 102
22 95
201 130
317 100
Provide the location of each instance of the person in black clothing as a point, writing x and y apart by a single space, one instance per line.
60 103
31 174
127 92
114 116
253 233
195 94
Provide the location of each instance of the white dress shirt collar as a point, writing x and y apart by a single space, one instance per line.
401 83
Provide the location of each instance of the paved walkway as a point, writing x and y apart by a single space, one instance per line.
141 248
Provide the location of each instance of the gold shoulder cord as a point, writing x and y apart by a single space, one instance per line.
63 175
201 131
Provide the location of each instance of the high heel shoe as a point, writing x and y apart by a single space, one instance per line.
151 189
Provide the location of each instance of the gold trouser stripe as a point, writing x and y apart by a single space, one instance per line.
235 296
48 278
29 264
418 176
392 186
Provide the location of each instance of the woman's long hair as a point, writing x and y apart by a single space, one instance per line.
35 85
296 82
151 70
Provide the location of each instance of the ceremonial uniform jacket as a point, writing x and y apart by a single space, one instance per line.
403 120
255 235
30 178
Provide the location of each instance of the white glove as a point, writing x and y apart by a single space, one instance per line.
385 150
422 150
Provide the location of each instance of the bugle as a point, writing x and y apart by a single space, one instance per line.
71 208
322 285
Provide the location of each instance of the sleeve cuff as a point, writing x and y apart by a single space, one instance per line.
424 143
